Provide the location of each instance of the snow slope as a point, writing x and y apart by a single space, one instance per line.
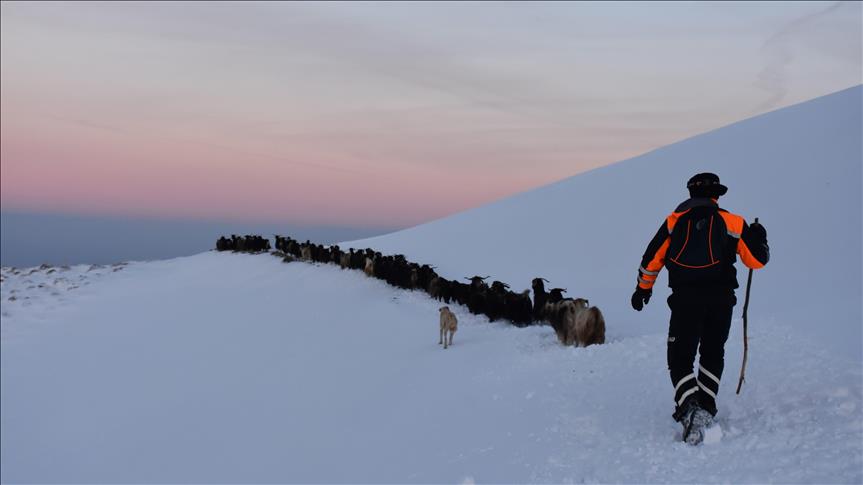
798 169
239 368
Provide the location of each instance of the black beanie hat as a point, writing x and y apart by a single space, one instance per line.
706 185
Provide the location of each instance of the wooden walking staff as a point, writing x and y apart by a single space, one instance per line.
745 339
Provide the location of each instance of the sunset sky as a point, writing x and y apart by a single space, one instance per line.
378 114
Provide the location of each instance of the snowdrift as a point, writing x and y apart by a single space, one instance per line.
798 169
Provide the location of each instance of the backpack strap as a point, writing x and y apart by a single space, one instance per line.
686 206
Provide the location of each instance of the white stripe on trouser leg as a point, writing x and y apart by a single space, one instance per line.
682 380
685 395
706 389
708 374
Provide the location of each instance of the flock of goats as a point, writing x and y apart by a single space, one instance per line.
574 321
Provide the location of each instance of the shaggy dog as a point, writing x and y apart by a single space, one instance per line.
590 327
448 326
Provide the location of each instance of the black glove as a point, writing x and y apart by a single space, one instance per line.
758 231
640 298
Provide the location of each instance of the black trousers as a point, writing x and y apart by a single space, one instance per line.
700 321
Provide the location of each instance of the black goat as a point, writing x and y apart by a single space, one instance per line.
555 295
539 297
477 295
495 303
518 308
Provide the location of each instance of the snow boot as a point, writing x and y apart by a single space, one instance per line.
696 421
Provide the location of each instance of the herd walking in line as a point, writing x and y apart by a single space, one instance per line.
698 243
574 321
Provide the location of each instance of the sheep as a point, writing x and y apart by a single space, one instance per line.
369 268
448 326
590 327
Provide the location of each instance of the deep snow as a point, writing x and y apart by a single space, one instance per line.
240 368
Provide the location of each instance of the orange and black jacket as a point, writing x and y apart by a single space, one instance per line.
740 240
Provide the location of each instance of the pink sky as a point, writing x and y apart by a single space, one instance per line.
378 114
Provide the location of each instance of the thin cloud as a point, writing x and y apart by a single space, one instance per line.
281 159
779 53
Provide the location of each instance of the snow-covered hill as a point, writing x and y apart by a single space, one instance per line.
239 368
798 169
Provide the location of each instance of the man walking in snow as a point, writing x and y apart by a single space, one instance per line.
699 244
